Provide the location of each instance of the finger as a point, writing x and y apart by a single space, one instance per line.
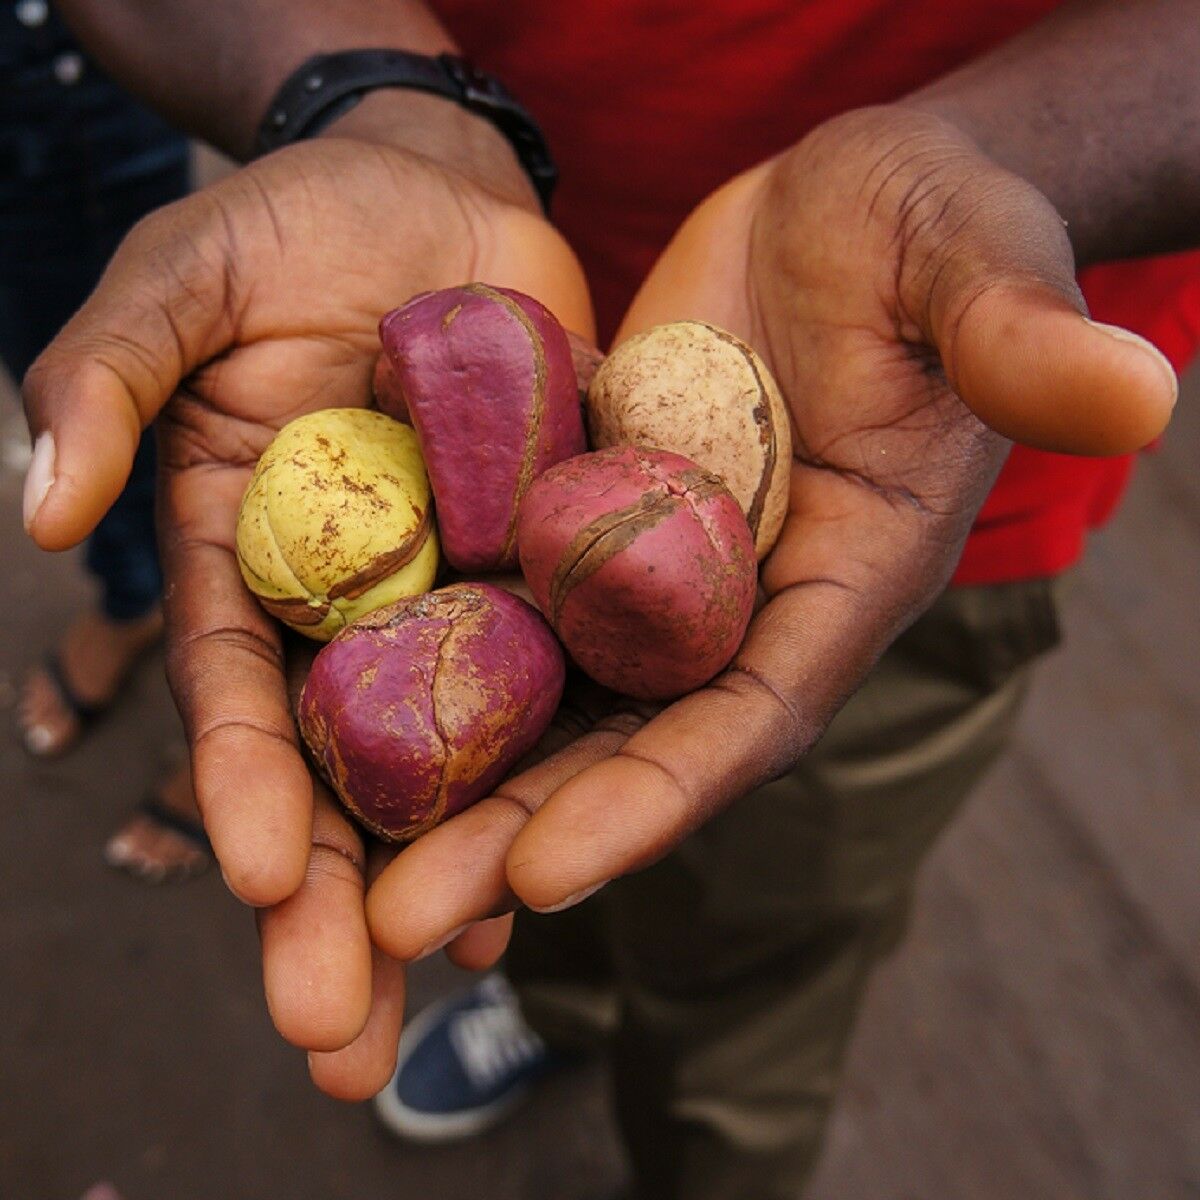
454 875
994 290
1007 317
1035 369
702 273
163 306
225 666
805 652
359 1070
317 964
481 945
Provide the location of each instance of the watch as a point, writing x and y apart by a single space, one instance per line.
327 86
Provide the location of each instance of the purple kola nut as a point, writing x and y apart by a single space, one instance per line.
421 708
644 564
490 385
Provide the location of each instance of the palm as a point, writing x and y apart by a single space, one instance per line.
276 287
889 465
294 325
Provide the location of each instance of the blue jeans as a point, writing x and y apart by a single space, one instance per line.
80 163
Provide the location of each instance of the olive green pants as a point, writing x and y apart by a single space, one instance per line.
724 980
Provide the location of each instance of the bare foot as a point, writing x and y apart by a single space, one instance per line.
152 849
95 656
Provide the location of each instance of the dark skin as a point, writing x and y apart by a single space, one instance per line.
236 352
889 469
915 298
219 85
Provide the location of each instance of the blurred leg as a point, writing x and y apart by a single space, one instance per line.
86 163
562 967
739 961
82 164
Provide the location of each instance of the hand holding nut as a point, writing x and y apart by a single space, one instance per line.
852 293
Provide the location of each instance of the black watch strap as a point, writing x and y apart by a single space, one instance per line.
329 85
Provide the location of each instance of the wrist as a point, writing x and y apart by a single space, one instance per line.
959 120
1093 105
1032 153
445 133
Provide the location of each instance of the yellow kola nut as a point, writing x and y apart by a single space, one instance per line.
337 520
696 390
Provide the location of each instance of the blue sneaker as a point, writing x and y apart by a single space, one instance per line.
462 1065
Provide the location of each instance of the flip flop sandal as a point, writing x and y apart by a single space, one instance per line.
164 818
86 714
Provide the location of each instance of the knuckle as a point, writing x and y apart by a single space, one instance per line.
183 256
625 723
519 802
675 785
338 860
778 732
226 725
39 382
189 648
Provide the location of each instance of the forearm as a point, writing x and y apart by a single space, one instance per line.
1098 105
213 66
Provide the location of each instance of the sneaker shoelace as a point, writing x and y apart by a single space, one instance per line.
493 1039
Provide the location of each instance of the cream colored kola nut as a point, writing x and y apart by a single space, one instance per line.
337 520
693 389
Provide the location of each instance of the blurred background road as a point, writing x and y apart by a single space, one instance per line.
1036 1038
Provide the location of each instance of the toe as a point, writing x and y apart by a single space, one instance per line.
153 854
47 727
127 843
40 740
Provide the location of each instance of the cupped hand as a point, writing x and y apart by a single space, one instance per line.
916 302
230 313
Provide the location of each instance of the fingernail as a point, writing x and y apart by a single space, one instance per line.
1125 335
570 901
39 478
434 947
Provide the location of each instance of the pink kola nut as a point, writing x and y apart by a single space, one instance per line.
644 565
491 391
419 709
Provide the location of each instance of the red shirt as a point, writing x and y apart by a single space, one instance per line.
649 105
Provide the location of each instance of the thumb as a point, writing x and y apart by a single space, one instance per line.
1035 369
1006 315
162 307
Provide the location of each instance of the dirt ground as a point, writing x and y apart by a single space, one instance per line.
1038 1036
